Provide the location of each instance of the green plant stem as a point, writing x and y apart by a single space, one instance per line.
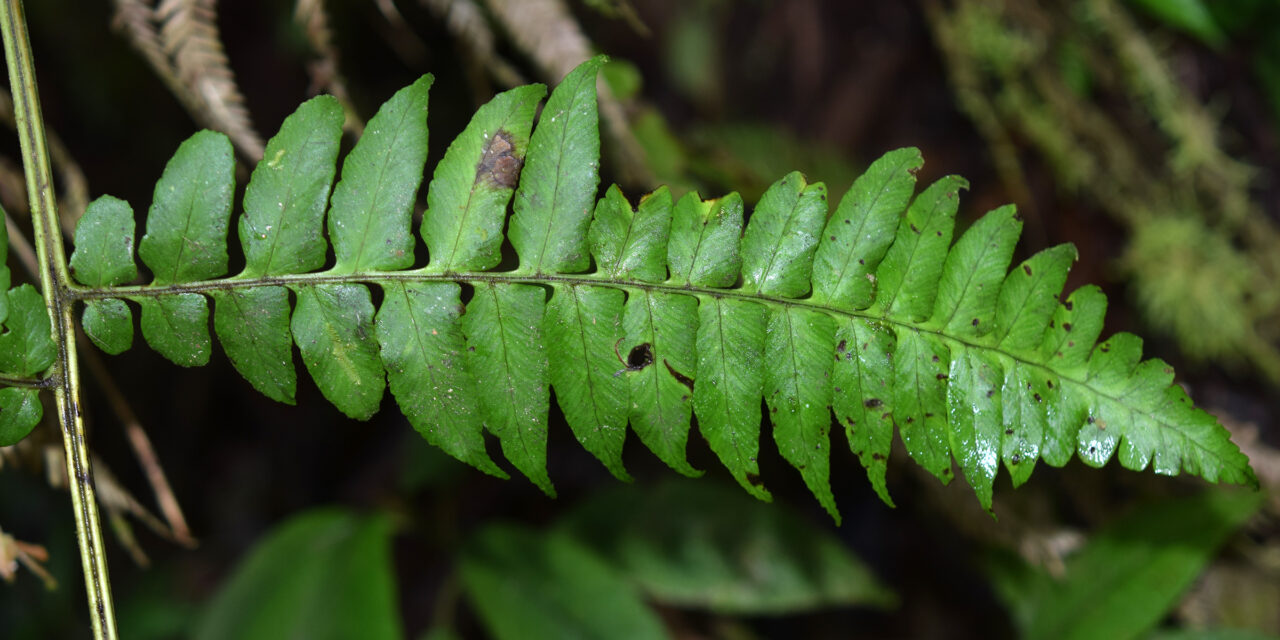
26 383
78 292
53 281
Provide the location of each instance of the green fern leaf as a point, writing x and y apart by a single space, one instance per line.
558 182
333 326
372 204
253 327
20 412
507 352
26 350
186 237
638 317
177 327
421 346
467 203
104 257
284 203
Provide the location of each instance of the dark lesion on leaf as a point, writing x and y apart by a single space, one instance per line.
680 377
638 358
499 165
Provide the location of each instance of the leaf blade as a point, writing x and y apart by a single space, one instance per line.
282 226
586 323
369 214
467 201
253 327
186 238
104 244
908 276
332 325
505 350
797 390
782 236
177 327
420 335
26 340
659 348
554 201
863 226
730 384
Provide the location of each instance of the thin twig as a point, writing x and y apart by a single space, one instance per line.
75 187
21 247
180 40
143 450
325 74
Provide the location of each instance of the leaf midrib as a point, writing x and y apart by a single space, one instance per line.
76 292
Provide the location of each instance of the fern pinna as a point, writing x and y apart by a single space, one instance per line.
642 317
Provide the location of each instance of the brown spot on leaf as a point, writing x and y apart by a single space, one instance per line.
872 403
499 165
1026 269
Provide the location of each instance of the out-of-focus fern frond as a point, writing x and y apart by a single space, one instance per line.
180 39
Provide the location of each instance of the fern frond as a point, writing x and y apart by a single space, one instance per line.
642 317
180 39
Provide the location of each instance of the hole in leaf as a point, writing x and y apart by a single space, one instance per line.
640 357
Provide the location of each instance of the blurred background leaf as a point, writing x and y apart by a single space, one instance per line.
1129 574
704 544
324 573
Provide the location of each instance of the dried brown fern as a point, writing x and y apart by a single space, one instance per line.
326 75
466 21
180 40
548 33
